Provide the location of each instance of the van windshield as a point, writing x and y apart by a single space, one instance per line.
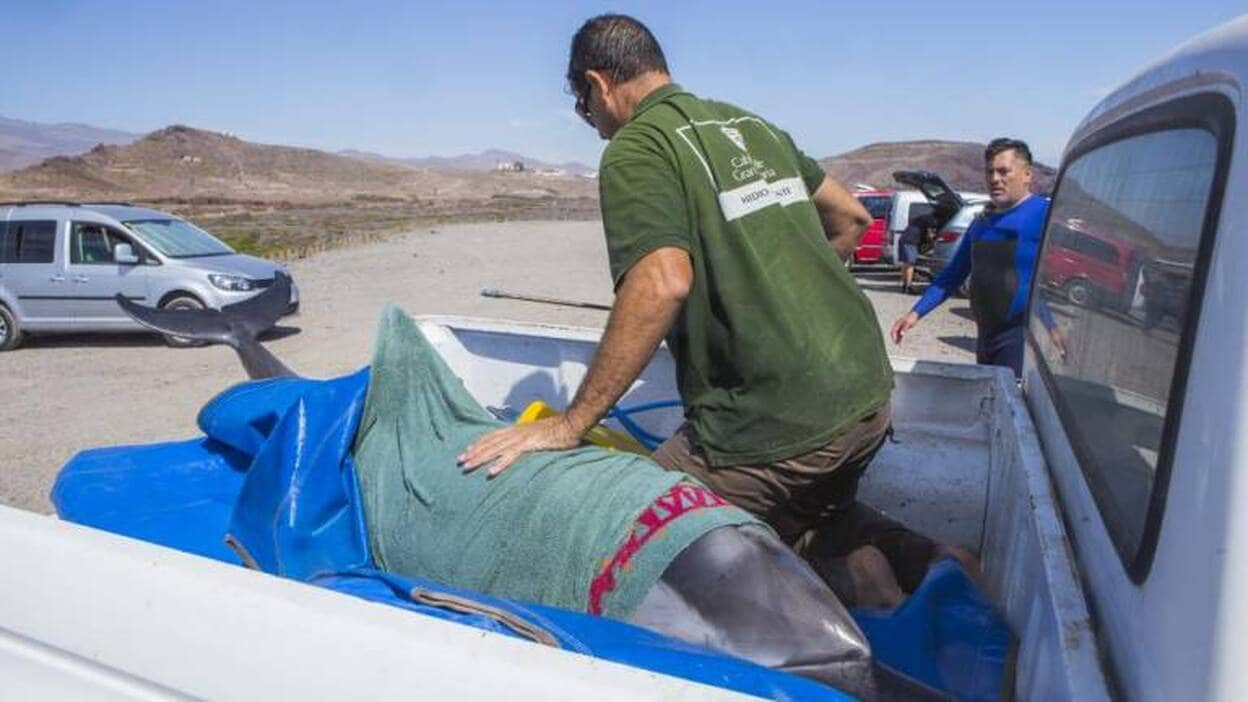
176 238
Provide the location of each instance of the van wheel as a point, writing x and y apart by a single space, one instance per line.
1078 293
10 333
182 302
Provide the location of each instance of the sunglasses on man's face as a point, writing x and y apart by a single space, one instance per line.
582 104
582 109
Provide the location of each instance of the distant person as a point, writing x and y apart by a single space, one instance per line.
1163 295
998 252
718 231
920 232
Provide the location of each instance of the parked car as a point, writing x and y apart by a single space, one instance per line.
1090 268
871 246
948 237
909 205
954 212
62 264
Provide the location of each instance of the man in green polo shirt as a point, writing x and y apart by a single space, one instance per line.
718 232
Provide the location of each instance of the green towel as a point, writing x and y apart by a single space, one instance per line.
588 529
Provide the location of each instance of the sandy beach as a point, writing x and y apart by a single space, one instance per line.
63 394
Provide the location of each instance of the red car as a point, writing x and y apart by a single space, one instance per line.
871 246
1089 268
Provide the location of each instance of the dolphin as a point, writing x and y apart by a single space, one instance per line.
737 589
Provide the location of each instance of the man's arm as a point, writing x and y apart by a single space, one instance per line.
949 279
648 300
844 218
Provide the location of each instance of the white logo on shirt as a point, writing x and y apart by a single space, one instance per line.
760 192
735 136
747 199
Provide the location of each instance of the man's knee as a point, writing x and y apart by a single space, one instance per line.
908 552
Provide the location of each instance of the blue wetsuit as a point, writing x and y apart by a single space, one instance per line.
1000 250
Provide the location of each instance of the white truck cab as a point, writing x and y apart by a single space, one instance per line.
1141 419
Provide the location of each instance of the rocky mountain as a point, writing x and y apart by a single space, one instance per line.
487 160
185 164
26 143
959 163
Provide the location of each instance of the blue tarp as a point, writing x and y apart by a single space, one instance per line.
945 634
274 473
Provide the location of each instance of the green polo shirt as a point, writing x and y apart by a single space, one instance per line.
777 349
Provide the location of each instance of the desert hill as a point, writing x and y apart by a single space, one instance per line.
181 163
959 163
25 143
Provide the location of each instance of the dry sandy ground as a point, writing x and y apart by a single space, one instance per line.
64 394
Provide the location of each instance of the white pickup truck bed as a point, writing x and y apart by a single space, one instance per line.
965 468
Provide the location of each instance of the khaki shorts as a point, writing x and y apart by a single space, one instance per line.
811 500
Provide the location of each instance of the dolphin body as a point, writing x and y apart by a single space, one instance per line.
737 589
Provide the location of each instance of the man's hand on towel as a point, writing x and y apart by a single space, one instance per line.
505 445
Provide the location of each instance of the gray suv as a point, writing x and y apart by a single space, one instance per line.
62 264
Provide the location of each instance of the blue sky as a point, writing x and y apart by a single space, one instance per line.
415 78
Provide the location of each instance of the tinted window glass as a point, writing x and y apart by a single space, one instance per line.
917 210
966 215
1096 248
177 238
877 205
93 243
1059 235
1147 195
29 242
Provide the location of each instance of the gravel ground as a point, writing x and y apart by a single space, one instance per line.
62 394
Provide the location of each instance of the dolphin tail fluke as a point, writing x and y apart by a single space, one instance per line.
205 325
259 313
236 326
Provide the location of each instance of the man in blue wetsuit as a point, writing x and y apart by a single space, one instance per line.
999 252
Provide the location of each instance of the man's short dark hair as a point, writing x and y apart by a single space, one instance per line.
617 45
997 146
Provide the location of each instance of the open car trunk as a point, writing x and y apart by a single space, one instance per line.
944 200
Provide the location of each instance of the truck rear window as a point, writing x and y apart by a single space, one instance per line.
28 241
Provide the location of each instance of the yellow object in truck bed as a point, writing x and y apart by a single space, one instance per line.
599 435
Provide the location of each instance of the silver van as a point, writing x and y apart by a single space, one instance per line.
62 264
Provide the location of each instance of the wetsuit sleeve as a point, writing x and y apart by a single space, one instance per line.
952 277
643 204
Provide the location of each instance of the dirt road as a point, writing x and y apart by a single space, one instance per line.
63 394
